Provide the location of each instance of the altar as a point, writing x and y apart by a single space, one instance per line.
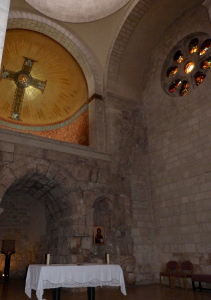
40 277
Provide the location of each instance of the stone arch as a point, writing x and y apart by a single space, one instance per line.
33 186
89 64
122 40
29 167
49 186
37 177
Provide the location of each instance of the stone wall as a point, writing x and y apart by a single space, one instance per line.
151 191
73 193
179 140
79 188
128 146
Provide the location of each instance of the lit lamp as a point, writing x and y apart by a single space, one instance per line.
7 248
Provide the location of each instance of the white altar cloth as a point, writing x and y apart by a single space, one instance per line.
40 277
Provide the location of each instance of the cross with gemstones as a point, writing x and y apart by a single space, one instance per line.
22 79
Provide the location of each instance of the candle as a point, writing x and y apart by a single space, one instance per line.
48 259
107 258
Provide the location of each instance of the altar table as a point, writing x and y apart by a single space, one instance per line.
40 277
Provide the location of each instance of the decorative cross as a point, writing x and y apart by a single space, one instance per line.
22 79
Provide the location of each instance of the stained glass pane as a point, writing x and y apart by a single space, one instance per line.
206 64
205 46
172 71
174 85
185 88
193 46
199 77
189 67
178 57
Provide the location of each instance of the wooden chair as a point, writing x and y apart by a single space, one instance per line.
185 271
171 268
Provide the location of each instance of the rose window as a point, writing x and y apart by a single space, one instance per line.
186 65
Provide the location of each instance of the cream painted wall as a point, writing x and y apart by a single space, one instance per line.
98 36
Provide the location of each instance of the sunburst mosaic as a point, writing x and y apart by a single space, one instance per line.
42 87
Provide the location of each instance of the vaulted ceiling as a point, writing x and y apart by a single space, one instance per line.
75 11
119 43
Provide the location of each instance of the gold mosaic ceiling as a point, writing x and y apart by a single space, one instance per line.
42 86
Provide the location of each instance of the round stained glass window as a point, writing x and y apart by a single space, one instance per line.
186 65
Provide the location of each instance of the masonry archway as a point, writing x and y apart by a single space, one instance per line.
36 212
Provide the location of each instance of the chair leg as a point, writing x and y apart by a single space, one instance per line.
160 281
173 281
179 281
185 283
170 281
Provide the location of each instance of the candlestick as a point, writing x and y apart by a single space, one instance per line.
48 259
107 258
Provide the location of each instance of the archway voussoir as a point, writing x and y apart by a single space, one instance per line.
20 172
42 166
6 177
52 171
31 165
2 192
18 167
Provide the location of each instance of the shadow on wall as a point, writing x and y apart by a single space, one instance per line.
23 220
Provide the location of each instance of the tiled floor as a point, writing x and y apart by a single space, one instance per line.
14 290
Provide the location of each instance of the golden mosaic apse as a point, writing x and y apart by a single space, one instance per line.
42 87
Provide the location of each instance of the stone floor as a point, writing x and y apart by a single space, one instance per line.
14 290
